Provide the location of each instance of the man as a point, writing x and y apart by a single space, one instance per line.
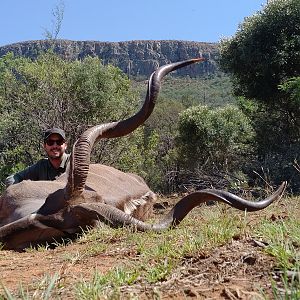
49 168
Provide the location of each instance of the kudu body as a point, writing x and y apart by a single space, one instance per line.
33 212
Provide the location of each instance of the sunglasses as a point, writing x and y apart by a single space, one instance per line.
50 142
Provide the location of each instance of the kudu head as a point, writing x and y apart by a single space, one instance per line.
80 157
70 207
74 191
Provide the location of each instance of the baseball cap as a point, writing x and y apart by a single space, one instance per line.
56 130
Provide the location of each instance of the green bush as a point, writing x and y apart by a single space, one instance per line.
72 95
214 139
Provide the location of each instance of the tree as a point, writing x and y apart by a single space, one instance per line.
73 95
58 16
265 51
160 132
263 58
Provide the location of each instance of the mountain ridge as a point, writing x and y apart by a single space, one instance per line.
135 58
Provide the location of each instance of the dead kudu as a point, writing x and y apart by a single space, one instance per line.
36 212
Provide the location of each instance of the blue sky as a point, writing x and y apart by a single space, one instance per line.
124 20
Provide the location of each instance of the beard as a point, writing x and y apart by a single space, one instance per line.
55 153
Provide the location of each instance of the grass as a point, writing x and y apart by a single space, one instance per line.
289 287
42 291
105 284
157 256
215 91
150 259
282 236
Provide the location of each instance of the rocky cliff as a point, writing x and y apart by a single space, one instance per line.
136 58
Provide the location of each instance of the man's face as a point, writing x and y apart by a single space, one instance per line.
55 146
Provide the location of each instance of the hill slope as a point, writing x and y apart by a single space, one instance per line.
135 58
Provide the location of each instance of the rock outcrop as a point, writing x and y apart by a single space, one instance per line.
136 58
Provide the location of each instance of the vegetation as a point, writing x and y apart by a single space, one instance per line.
213 91
214 141
193 140
35 95
58 16
263 60
124 264
73 95
178 96
192 136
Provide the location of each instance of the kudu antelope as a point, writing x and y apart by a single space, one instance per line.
34 212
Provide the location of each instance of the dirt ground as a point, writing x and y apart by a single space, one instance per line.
238 270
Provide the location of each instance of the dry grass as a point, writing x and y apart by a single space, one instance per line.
216 252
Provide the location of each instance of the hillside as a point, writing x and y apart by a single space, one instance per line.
213 91
135 58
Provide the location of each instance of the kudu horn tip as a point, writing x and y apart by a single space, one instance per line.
283 187
199 59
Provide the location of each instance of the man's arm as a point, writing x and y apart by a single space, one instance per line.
30 173
12 179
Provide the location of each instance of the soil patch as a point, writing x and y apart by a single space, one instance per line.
237 270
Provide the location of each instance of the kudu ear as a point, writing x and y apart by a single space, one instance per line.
80 157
